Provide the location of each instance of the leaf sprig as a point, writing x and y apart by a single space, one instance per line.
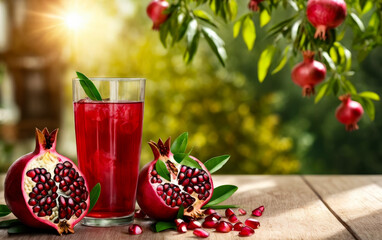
89 87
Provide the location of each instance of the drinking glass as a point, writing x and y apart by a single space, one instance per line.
108 137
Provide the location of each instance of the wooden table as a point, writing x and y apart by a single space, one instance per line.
296 207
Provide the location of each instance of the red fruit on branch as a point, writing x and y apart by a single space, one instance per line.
155 10
201 233
253 5
325 14
308 73
44 189
135 229
349 112
189 187
224 227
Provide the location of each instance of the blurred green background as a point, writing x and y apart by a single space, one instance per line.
267 128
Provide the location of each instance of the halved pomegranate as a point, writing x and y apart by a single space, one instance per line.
46 190
189 187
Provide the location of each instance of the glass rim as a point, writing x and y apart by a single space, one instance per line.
117 79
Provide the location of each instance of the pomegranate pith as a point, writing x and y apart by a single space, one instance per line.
46 190
189 187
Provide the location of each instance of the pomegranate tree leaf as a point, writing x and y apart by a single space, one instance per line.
221 194
215 163
179 157
9 223
264 62
187 161
221 206
215 43
180 212
180 143
21 228
162 170
161 226
4 210
94 195
89 87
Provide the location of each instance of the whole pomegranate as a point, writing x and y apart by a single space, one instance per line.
325 14
349 112
253 5
46 190
155 10
308 73
189 187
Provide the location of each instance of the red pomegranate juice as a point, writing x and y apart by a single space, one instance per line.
108 148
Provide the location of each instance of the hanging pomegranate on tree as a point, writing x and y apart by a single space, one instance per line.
308 73
44 189
156 11
325 14
349 112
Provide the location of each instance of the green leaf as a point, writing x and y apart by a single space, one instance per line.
369 95
202 15
216 44
249 32
193 35
162 170
283 61
357 21
369 107
321 92
180 143
21 229
232 9
294 29
221 193
215 163
221 206
180 212
264 18
161 226
236 29
4 210
163 33
9 223
187 161
89 87
350 87
264 62
329 60
94 195
347 54
179 157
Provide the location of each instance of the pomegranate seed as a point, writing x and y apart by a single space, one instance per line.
68 164
32 202
209 211
242 211
246 231
213 217
193 224
178 221
37 170
210 223
253 223
229 212
257 213
135 229
201 233
182 228
31 173
224 227
139 214
261 208
238 226
233 219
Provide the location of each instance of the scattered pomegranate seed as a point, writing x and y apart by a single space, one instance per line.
229 212
224 227
139 214
209 211
233 219
242 211
201 233
257 213
178 221
261 208
210 223
246 231
193 224
253 223
182 228
238 226
135 229
212 217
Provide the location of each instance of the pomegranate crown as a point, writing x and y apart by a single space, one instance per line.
345 97
46 140
160 148
308 55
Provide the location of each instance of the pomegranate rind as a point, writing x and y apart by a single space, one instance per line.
17 199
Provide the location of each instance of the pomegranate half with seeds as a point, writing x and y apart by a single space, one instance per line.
189 187
46 190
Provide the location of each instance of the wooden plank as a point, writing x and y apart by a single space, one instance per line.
356 200
292 211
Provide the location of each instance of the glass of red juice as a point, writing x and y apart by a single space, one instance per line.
108 137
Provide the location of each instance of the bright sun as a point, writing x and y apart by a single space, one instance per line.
74 21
